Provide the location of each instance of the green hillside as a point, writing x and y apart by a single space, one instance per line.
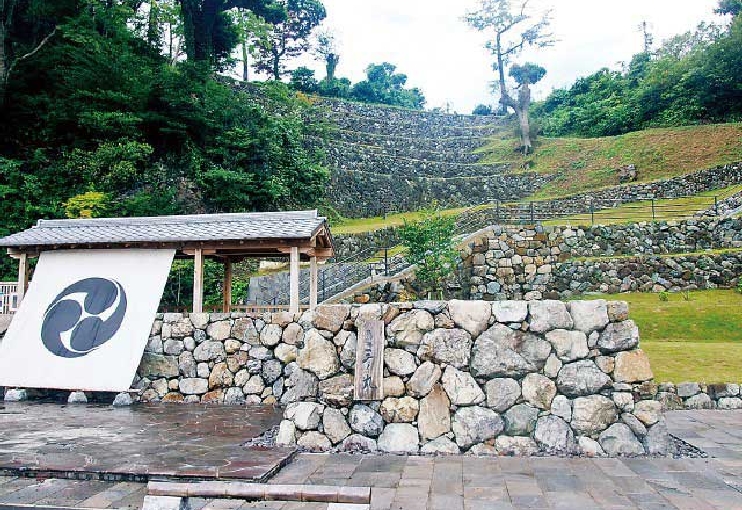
586 164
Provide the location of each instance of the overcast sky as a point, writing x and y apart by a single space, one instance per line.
439 53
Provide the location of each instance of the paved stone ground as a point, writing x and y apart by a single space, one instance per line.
199 441
471 483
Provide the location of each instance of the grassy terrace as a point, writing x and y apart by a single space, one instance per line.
695 340
588 164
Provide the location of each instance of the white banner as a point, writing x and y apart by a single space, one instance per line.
85 319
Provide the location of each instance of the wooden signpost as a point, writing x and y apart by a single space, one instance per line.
369 370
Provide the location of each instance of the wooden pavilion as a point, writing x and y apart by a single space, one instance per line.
228 238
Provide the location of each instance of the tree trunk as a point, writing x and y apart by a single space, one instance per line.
524 102
3 65
276 65
525 130
244 61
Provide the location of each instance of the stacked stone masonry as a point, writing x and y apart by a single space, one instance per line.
385 159
545 262
461 376
693 395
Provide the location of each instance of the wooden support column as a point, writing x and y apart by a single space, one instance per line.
198 281
312 283
227 303
294 280
22 276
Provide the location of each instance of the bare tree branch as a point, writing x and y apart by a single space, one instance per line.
30 53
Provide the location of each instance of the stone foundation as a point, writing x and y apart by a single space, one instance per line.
508 377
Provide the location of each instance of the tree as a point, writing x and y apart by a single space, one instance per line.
290 37
482 109
525 76
513 27
431 248
733 7
208 30
385 86
327 50
252 32
303 80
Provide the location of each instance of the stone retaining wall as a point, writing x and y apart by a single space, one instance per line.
693 395
509 377
534 263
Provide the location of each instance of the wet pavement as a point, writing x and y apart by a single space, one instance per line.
398 482
138 442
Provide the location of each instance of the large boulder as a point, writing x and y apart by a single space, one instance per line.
337 391
399 362
582 378
366 421
547 315
619 336
219 330
330 317
569 345
648 412
473 316
318 355
314 441
305 415
632 366
440 445
399 410
451 346
539 390
510 311
461 387
520 420
434 419
154 366
657 440
619 440
554 434
270 336
210 351
473 425
300 384
423 380
399 438
334 424
495 354
408 329
589 316
519 445
502 393
592 414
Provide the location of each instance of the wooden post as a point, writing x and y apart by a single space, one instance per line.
198 281
312 283
22 276
227 303
294 280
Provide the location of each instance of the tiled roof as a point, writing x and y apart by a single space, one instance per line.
170 229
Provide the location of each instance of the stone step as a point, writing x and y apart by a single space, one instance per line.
261 492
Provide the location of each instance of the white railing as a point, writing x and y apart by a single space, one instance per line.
8 297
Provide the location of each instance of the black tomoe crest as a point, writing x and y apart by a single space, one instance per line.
83 317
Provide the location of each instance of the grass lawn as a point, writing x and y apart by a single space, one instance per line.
360 225
591 163
695 340
666 209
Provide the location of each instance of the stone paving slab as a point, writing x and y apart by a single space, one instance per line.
138 442
457 482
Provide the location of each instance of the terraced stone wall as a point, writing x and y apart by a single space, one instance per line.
502 378
544 262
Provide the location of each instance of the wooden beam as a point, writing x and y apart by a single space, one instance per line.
294 280
227 303
198 281
312 283
22 276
